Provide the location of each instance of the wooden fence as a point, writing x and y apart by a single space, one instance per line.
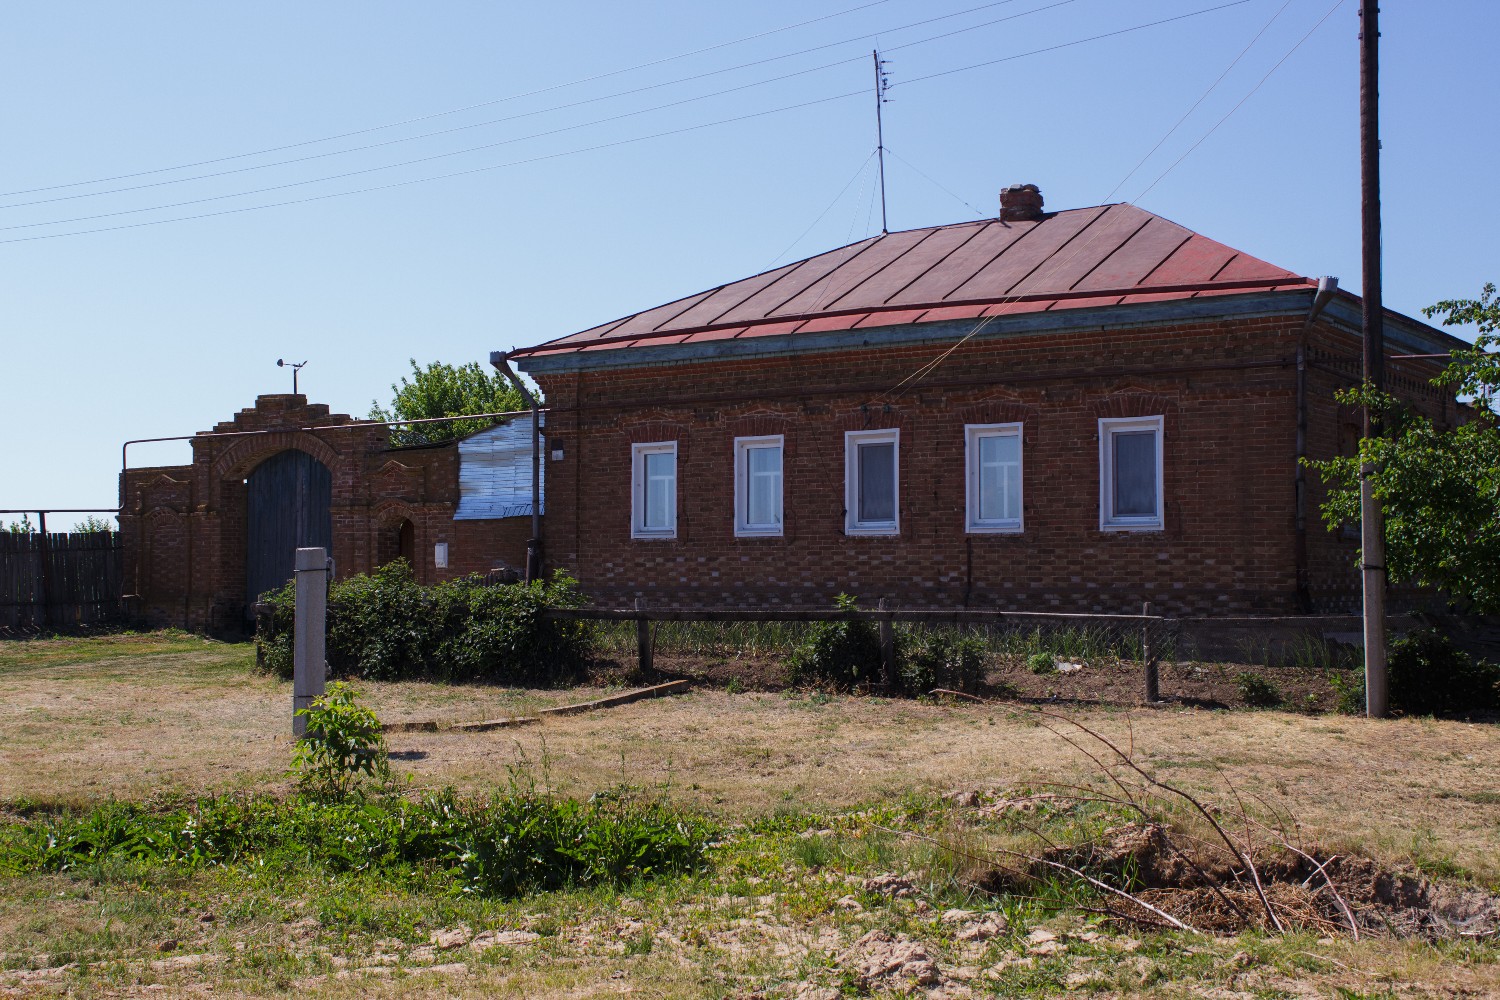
1146 623
58 580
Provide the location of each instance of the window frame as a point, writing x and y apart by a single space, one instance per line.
852 524
974 524
638 483
1108 428
742 448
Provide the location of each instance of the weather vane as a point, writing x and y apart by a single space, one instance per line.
283 363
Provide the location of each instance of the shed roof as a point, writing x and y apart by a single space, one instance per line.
1102 256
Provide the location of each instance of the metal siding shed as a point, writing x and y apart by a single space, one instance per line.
494 472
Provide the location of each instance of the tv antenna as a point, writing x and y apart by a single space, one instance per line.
882 84
297 367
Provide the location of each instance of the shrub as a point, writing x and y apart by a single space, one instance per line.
1426 674
342 742
1257 691
1041 663
385 626
940 659
845 654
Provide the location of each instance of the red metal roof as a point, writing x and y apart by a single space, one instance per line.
1086 257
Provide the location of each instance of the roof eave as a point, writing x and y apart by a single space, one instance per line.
1256 304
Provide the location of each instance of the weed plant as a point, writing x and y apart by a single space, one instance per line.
1256 691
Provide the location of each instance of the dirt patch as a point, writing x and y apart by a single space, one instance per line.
1208 889
1108 681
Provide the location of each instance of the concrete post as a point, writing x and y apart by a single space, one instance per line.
309 665
644 653
1148 659
888 671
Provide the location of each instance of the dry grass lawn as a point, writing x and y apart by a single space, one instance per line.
134 716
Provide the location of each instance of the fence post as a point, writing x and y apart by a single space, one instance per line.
1153 681
45 548
309 663
643 637
887 649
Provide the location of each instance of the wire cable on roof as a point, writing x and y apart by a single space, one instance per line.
836 198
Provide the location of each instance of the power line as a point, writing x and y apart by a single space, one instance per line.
1253 90
470 107
502 142
561 107
1065 45
1201 98
456 173
459 173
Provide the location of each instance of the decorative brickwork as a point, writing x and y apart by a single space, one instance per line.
184 527
1226 389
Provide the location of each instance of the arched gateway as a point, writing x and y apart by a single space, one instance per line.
288 506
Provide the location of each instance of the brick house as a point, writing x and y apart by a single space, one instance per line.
1079 411
202 540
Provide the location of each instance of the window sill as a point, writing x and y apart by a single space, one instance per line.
885 532
1142 526
655 536
993 529
758 533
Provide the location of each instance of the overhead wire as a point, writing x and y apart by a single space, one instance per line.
534 159
1077 248
527 114
937 184
467 149
470 107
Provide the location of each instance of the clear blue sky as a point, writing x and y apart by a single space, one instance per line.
166 329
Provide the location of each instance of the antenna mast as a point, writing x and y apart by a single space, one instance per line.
881 83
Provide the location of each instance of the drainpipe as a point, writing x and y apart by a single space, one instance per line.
501 360
1327 287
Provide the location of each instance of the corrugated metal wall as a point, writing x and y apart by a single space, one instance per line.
494 472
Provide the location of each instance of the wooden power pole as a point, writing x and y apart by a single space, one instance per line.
1371 517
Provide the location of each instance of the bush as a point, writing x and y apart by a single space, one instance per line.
844 654
1257 691
847 654
342 742
943 659
1426 675
385 626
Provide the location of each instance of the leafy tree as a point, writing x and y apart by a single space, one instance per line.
442 390
92 524
1440 490
21 527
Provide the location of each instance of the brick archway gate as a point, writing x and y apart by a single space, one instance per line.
288 505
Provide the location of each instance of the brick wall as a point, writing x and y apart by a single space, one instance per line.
1226 390
184 527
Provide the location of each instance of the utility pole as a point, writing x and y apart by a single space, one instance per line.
880 85
1371 517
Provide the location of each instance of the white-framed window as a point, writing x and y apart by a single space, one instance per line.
992 459
1130 474
653 490
758 485
872 482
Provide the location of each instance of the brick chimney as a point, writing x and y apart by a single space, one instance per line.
1020 203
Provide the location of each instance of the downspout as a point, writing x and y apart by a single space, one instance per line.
1327 287
501 360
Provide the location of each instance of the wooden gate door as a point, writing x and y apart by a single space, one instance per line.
288 508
